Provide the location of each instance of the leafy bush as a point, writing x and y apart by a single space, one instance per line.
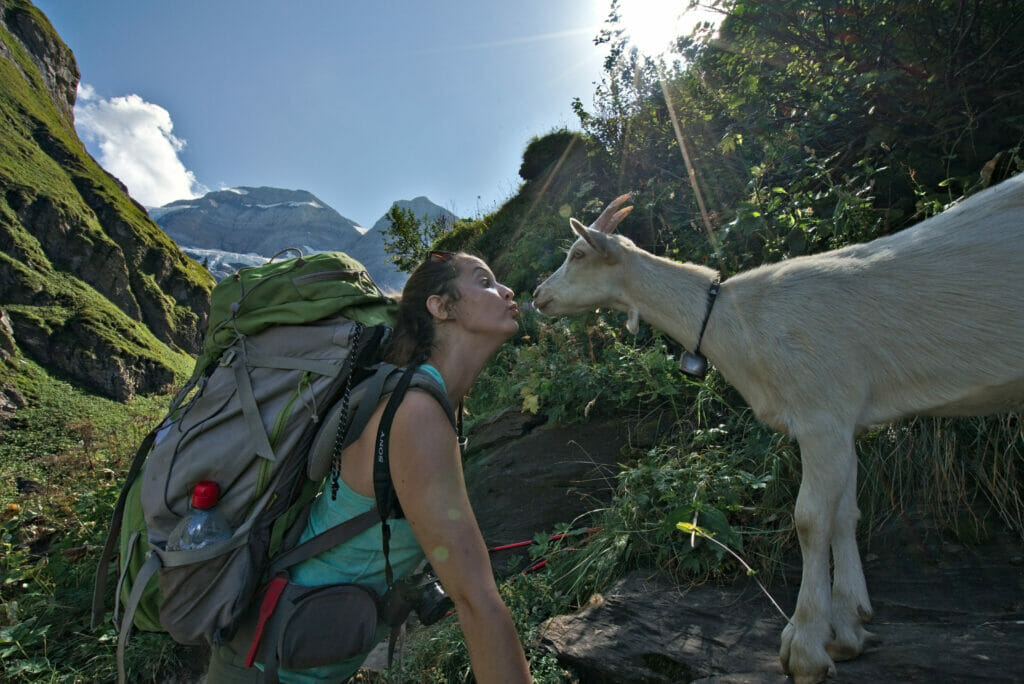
544 152
574 369
719 469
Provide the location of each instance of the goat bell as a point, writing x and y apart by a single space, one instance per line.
694 365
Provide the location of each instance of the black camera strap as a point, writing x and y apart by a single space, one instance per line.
383 490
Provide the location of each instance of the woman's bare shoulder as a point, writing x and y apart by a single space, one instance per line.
422 414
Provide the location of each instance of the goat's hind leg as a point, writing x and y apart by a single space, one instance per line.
824 457
851 607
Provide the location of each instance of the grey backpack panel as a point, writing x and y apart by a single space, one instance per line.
258 456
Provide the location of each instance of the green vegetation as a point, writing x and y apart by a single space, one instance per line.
408 240
808 126
60 463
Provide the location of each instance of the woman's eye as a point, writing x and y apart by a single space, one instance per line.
486 282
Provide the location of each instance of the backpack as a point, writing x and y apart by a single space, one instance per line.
288 376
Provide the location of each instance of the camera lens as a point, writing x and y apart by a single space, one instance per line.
432 603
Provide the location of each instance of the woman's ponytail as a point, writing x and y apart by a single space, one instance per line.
413 337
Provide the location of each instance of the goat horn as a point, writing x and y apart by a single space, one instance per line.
610 217
617 218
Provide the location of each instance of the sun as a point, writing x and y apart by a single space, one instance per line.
652 25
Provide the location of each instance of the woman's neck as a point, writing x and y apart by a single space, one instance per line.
459 367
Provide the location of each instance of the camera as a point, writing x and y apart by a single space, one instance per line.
420 592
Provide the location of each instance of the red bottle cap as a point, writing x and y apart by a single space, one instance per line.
205 494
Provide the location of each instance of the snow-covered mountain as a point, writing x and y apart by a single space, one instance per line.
228 229
221 264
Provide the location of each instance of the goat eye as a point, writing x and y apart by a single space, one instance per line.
578 254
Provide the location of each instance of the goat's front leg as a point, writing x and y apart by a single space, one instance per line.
825 472
851 607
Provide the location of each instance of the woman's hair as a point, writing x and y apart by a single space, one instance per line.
413 336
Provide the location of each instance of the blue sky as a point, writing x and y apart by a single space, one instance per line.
359 102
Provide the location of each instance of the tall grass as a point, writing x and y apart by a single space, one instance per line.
61 461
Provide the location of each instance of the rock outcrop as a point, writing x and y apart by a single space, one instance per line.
943 613
93 289
51 57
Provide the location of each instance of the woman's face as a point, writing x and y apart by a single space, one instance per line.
485 306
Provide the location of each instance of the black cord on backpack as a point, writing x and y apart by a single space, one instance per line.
339 438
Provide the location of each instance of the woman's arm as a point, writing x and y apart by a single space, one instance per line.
426 468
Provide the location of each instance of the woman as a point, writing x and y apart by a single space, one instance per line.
453 316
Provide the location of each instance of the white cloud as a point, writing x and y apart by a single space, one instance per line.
136 144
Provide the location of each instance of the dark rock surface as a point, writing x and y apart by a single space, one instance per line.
943 613
550 475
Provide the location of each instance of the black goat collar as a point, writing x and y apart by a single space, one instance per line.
695 365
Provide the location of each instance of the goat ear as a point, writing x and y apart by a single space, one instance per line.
593 238
578 228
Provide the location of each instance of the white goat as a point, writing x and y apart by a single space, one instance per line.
929 320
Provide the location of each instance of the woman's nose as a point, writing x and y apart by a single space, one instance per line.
507 292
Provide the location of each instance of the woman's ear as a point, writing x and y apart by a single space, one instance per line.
438 307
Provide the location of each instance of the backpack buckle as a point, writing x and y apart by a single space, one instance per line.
227 357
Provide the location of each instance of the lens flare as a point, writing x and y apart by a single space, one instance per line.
653 25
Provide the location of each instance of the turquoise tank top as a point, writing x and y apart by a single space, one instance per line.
360 559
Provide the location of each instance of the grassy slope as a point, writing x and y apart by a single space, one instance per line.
29 121
59 455
60 461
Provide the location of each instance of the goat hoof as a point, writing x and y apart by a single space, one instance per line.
847 644
806 664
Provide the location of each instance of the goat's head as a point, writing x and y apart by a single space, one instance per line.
591 275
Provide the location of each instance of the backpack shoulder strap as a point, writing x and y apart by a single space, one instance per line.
411 378
339 431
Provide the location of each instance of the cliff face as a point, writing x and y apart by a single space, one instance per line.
91 287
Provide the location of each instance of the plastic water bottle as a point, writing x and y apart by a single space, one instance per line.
204 525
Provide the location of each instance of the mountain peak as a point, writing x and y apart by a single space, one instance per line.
262 198
240 226
421 207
